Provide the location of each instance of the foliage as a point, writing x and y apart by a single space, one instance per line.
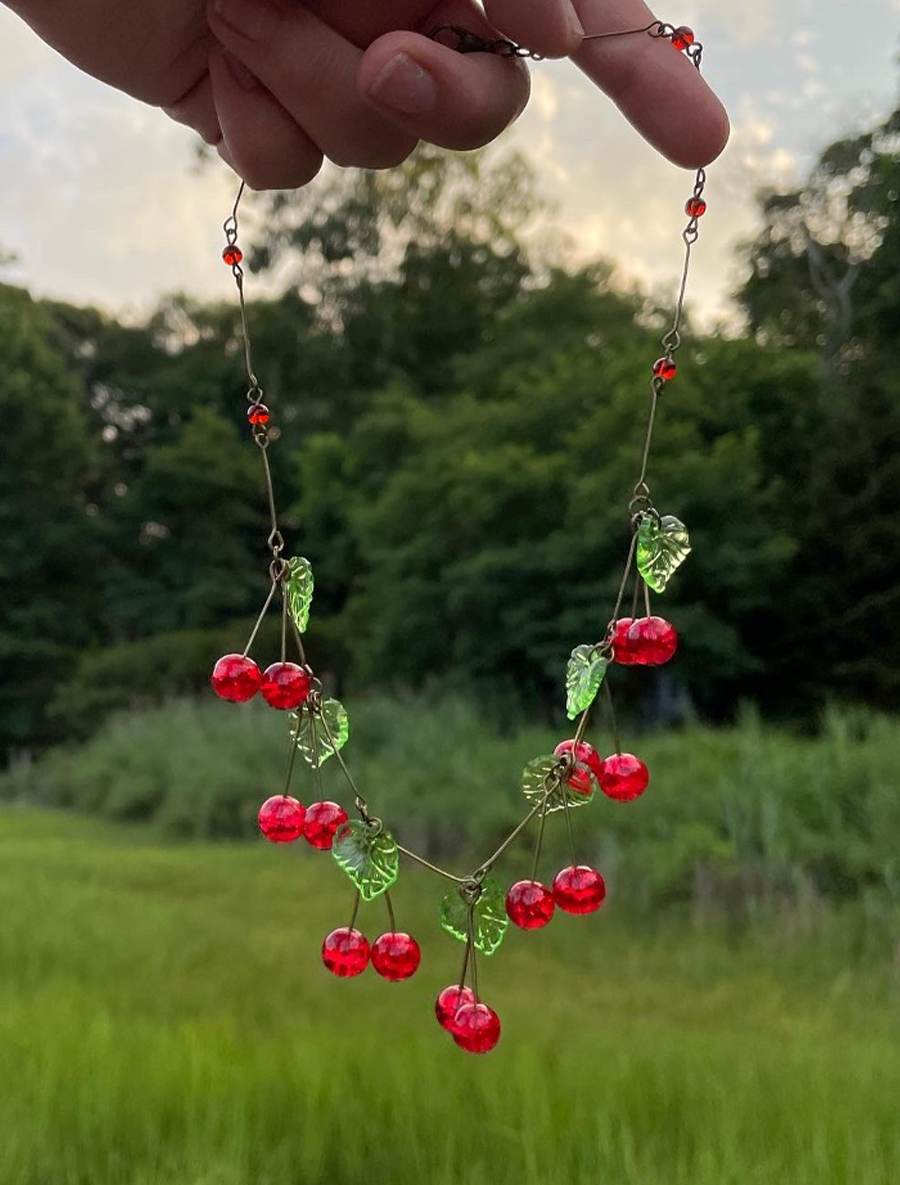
737 819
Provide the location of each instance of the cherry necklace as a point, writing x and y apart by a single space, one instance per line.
475 910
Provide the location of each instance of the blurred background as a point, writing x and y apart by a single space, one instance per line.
456 355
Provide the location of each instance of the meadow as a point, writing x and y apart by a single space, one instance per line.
165 1020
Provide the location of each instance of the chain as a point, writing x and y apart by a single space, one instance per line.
471 887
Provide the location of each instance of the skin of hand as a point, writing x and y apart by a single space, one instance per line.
276 85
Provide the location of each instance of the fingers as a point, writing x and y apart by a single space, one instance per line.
310 70
259 139
454 100
197 109
655 87
549 27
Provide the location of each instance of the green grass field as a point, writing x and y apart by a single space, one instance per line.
164 1020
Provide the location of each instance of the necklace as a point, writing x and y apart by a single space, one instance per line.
475 910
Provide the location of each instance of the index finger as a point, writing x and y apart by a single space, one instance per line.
656 88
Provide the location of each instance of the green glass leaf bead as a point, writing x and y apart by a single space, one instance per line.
371 860
662 547
489 917
543 774
320 731
584 675
299 588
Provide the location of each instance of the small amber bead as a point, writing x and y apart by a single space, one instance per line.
258 413
664 368
683 37
695 207
232 254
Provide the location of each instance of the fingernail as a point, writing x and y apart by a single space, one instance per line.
254 19
404 85
245 78
573 21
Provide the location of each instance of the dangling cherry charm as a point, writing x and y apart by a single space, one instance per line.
281 818
322 821
396 956
476 1028
623 652
345 952
236 678
530 905
449 1002
579 889
623 777
581 778
285 685
652 640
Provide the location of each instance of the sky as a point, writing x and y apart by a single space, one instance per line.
102 202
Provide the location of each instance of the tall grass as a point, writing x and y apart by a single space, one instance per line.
164 1020
747 819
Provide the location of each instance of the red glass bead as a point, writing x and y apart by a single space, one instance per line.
622 651
281 818
652 640
476 1028
396 956
258 413
285 685
582 778
683 37
530 905
232 254
664 368
695 207
236 678
623 777
322 821
579 890
345 952
449 1002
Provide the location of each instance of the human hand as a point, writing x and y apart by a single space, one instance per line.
277 84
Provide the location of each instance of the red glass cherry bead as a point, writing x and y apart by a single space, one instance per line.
695 207
258 413
582 778
579 889
653 641
322 821
236 678
530 905
232 254
623 653
449 1002
345 952
476 1028
683 37
396 956
624 777
285 685
281 818
664 368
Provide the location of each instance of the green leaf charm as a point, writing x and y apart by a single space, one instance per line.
314 739
489 918
542 774
585 673
662 547
371 861
299 588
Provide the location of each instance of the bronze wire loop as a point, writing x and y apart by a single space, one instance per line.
469 887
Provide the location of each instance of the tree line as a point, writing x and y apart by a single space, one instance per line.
459 418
